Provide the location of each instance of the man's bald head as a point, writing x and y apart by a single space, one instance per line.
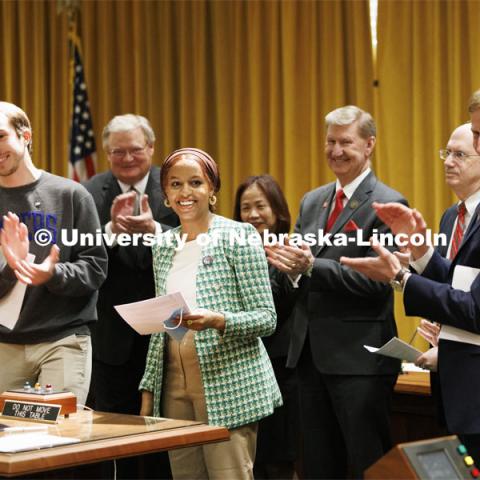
464 134
462 165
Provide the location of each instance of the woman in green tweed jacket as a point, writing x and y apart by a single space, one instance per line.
219 372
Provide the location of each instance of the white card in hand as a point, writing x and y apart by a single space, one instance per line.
397 348
11 303
463 277
147 316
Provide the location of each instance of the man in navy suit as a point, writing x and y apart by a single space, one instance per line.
430 294
462 175
129 200
345 392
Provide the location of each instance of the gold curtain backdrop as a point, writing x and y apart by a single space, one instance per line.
251 81
428 66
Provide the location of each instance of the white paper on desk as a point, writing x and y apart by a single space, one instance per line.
397 348
411 367
11 303
21 442
147 316
463 277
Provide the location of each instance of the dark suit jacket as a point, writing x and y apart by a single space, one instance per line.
340 309
284 299
431 296
130 275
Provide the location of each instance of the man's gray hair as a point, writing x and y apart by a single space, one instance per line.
349 114
474 103
125 123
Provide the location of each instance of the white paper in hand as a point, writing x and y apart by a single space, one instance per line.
147 316
463 277
397 348
11 303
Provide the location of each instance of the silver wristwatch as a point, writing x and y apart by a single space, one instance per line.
398 282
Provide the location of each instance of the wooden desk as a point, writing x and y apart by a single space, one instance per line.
105 436
415 383
413 409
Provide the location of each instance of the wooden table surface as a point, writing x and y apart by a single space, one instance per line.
105 436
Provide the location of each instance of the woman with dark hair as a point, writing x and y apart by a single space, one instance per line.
260 202
219 372
268 199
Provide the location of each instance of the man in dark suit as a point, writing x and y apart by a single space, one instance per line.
129 200
345 391
431 295
464 179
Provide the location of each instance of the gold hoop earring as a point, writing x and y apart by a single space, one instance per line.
212 200
166 203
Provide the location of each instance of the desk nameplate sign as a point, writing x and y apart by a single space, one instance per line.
66 400
33 411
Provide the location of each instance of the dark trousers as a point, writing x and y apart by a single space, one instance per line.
278 434
345 420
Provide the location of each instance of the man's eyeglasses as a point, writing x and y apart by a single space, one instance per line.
444 154
119 153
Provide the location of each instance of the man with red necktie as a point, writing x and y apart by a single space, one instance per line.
429 292
345 391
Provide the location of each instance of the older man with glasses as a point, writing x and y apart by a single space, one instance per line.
433 291
129 200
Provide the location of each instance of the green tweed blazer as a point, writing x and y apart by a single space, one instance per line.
238 379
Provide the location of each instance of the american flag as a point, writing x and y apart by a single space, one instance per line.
82 141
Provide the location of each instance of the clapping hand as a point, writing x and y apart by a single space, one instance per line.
404 220
291 259
382 268
15 245
429 331
123 219
36 274
14 240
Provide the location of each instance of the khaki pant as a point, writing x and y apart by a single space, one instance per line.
66 363
183 398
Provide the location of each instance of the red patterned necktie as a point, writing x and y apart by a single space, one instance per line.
459 231
337 210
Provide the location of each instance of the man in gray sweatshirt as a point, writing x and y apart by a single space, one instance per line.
40 214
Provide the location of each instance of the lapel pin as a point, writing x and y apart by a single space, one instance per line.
353 204
207 260
325 205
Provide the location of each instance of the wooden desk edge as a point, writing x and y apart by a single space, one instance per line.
414 383
71 455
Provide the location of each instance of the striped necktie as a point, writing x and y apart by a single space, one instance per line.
459 230
136 206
